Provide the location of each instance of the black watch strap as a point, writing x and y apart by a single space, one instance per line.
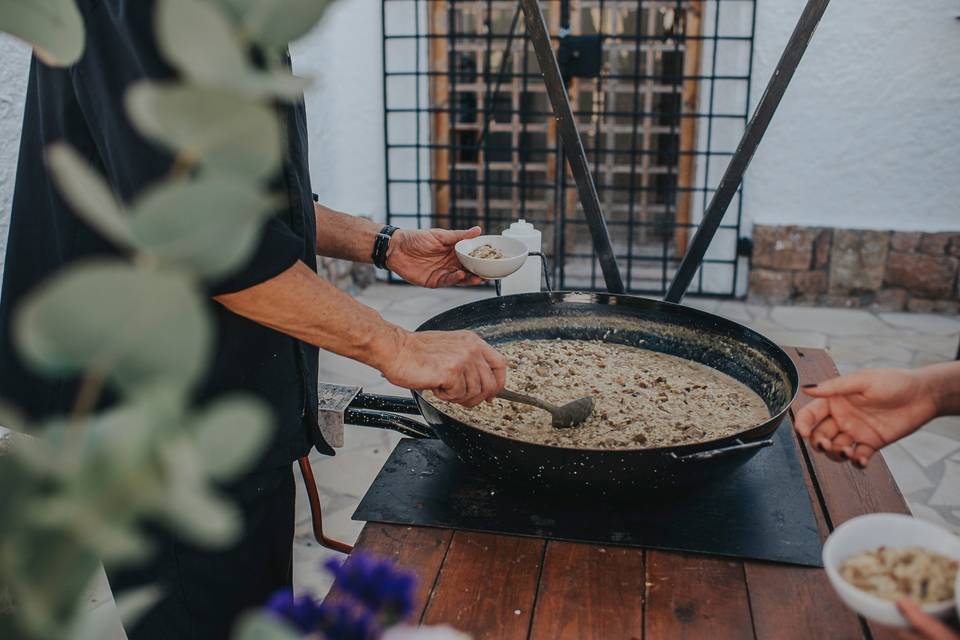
380 246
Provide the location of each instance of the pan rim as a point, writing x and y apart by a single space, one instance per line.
749 434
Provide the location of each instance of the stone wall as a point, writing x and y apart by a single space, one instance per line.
883 270
351 277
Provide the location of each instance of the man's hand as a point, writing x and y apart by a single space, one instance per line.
456 365
855 415
426 257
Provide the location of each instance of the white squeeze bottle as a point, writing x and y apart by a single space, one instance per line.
527 278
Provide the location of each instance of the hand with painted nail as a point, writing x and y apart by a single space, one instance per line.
923 624
853 416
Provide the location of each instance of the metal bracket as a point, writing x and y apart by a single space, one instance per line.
332 402
713 453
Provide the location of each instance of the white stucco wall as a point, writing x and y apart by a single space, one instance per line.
345 107
868 134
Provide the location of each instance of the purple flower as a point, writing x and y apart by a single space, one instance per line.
346 621
303 613
378 584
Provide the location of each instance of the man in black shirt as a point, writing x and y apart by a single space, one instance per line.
273 315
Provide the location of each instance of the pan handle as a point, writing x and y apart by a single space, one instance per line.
721 451
386 420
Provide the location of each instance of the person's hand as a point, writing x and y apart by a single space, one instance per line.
456 365
853 416
924 625
426 257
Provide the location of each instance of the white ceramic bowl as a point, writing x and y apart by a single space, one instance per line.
875 530
514 255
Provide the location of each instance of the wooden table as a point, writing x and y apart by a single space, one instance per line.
506 587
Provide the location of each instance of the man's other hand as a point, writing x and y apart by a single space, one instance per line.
426 257
456 365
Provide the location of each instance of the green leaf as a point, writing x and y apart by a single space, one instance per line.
88 193
263 626
140 327
226 131
209 225
231 433
189 505
276 23
53 27
198 39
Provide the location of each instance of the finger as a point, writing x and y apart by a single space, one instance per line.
843 445
498 364
471 280
451 278
455 389
862 454
487 380
810 416
498 368
451 237
856 382
928 626
474 387
824 434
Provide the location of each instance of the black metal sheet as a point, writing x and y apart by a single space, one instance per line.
760 511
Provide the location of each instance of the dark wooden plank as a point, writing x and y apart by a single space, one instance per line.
847 491
417 549
487 585
589 592
693 596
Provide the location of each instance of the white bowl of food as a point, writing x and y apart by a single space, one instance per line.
491 257
874 559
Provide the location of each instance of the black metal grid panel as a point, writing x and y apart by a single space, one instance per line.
469 137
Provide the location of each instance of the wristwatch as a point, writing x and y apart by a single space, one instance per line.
380 246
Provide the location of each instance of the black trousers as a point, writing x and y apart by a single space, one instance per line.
205 591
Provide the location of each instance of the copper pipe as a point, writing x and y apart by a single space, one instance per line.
313 496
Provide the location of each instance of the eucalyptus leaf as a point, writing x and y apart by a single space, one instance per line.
190 506
276 23
263 626
198 39
53 27
188 223
88 193
227 132
137 326
230 434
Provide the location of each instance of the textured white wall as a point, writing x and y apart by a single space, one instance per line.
868 134
345 107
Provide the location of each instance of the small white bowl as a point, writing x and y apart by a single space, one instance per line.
869 532
514 255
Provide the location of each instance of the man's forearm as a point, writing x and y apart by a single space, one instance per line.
341 235
301 304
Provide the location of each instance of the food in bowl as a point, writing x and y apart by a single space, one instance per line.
891 573
487 252
643 398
